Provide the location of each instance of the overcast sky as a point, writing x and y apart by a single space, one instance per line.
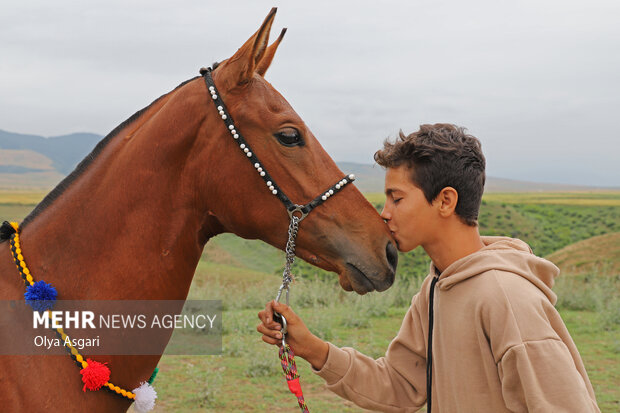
537 81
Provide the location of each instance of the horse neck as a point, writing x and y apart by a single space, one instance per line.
129 227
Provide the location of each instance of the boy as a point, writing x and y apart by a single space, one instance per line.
482 334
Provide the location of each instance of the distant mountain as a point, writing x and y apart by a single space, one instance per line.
371 179
64 151
31 161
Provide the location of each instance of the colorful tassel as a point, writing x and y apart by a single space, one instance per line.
152 378
6 230
95 375
40 296
145 398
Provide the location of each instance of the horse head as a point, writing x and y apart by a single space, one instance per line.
345 234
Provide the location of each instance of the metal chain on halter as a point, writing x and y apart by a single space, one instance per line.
287 276
287 357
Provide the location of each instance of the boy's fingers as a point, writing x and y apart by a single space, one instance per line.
283 309
270 340
261 328
268 312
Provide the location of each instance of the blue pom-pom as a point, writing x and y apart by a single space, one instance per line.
40 296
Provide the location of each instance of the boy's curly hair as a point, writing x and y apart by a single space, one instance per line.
438 156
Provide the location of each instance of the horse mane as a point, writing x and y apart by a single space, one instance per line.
83 165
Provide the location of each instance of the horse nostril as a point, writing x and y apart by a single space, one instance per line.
392 255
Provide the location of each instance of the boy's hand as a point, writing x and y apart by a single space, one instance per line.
298 337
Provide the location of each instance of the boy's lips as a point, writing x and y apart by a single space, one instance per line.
395 238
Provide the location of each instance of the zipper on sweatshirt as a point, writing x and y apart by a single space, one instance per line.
429 349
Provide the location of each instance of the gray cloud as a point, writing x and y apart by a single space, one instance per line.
537 82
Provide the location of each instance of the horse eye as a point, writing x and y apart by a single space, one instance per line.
289 137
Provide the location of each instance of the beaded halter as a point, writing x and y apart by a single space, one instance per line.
296 214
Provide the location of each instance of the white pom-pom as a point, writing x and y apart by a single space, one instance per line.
145 398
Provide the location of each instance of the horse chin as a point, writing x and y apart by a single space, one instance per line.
352 279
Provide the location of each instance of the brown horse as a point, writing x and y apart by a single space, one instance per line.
133 218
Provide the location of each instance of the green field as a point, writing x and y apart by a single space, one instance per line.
244 275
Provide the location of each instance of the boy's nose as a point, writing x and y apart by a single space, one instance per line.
385 214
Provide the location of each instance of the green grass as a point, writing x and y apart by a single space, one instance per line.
247 376
245 274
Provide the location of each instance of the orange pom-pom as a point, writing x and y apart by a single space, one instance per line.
95 375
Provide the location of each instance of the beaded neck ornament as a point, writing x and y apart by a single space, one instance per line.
95 375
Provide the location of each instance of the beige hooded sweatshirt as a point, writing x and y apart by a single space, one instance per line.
499 345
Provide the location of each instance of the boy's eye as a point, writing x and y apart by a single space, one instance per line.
396 200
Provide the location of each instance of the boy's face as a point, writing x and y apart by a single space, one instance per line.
408 214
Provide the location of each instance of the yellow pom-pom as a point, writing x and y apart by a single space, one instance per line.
84 364
79 357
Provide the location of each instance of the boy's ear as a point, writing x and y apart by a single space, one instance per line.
446 201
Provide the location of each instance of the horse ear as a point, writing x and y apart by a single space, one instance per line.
241 66
264 64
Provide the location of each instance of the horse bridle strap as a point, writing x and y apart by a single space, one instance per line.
291 208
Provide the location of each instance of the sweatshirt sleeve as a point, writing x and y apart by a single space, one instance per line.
540 376
393 383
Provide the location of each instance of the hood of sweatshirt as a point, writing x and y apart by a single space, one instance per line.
504 254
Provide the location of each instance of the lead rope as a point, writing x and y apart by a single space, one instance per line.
287 357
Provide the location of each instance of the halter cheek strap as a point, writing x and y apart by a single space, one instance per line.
302 210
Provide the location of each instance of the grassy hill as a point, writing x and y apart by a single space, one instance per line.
600 254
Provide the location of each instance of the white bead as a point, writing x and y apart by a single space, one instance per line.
236 136
231 127
246 150
352 177
211 88
224 117
324 198
271 188
233 131
220 108
337 186
242 145
214 97
257 165
262 173
344 181
221 112
249 154
268 183
274 192
260 169
331 192
327 194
